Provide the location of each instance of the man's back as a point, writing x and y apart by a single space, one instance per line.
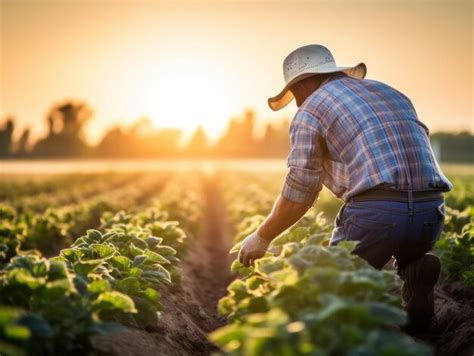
369 135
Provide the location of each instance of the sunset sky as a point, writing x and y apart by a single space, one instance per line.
190 63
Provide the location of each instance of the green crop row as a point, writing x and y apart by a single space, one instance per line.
305 298
15 188
112 275
57 227
68 193
108 278
456 245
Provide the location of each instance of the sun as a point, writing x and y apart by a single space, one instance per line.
186 94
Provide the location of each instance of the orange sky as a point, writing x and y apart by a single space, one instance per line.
190 63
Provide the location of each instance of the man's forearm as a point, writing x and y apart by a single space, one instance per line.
284 214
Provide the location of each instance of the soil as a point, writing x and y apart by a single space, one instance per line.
190 308
452 332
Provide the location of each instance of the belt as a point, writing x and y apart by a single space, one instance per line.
397 195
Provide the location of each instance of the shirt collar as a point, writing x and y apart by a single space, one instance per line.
336 76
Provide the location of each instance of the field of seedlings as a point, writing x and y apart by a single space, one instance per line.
144 263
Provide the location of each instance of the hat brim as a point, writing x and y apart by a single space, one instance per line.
285 96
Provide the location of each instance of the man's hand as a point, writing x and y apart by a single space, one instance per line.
252 248
284 214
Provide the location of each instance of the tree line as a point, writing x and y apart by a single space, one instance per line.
66 139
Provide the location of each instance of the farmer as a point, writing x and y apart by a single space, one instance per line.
361 139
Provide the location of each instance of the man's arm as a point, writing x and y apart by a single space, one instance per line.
302 185
284 214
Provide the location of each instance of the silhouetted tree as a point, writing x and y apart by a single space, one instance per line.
238 140
276 140
457 147
6 137
113 143
65 136
135 142
198 146
22 144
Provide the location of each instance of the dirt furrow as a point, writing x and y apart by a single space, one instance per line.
190 308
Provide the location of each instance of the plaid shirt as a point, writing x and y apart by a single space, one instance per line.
352 135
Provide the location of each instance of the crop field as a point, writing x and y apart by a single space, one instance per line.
144 263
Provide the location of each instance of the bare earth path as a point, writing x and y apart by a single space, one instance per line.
453 331
190 309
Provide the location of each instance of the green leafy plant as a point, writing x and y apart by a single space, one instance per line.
33 283
457 255
126 259
13 336
311 299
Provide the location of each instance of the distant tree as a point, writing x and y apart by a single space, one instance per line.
6 137
238 140
247 130
65 135
113 144
165 142
198 145
137 142
22 144
275 141
451 147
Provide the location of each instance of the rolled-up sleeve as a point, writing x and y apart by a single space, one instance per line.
303 181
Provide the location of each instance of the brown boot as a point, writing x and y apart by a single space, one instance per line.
420 278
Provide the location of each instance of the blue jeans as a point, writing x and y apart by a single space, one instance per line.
388 228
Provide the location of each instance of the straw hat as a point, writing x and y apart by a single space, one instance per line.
305 62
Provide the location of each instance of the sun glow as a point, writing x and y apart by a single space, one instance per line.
186 94
187 64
